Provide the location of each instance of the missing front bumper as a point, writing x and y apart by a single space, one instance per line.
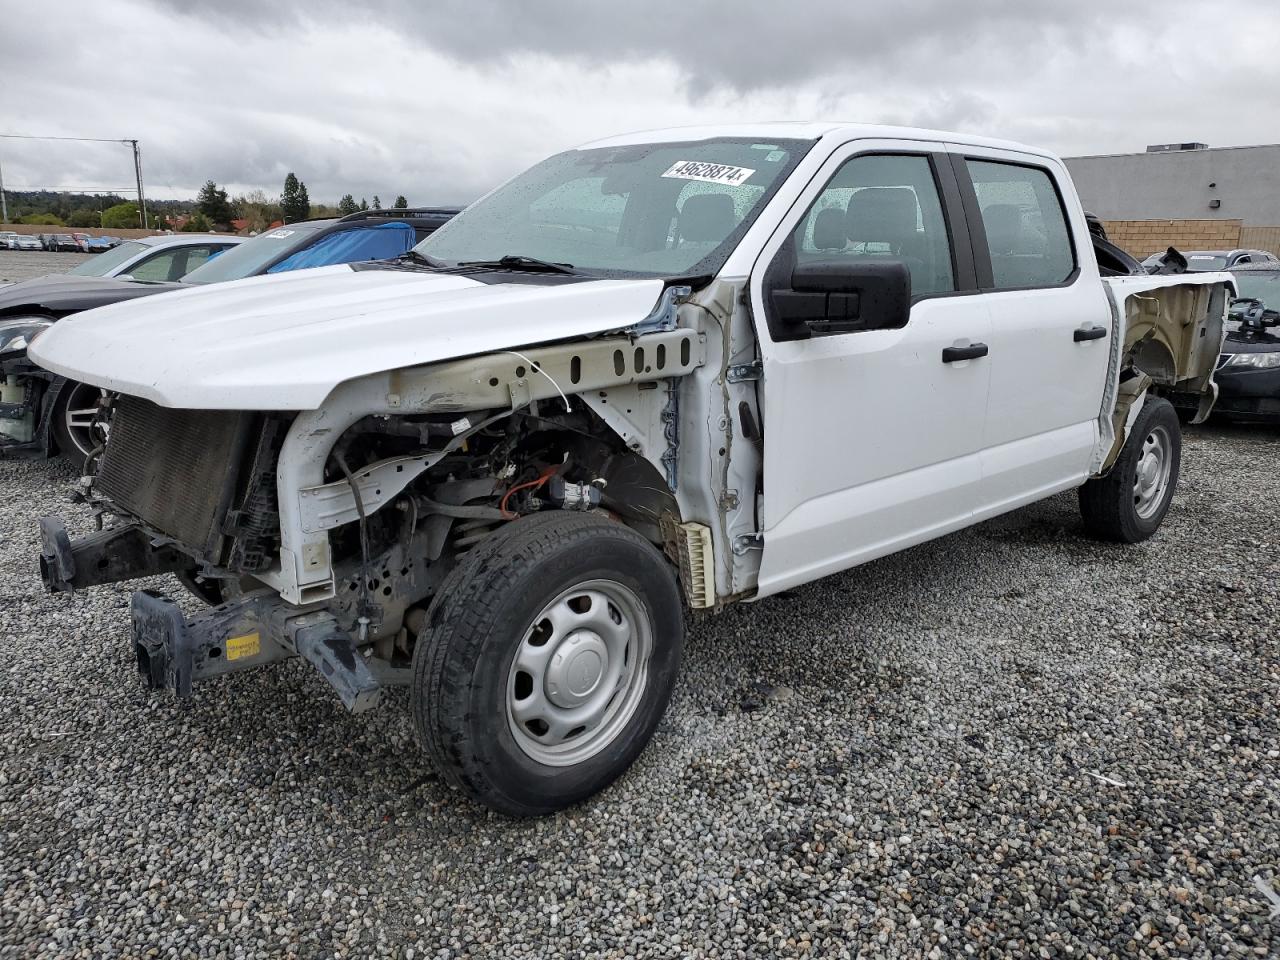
173 651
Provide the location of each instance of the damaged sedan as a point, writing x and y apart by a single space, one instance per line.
676 369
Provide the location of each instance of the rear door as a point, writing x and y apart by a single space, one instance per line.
872 441
1051 324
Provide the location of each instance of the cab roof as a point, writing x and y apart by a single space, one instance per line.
810 130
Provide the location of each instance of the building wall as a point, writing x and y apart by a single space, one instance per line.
1176 184
1145 237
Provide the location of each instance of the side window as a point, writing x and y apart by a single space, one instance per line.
159 267
883 206
1026 227
196 257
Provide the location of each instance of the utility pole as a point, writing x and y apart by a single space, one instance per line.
137 169
4 202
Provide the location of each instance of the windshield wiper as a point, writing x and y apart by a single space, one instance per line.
518 262
421 258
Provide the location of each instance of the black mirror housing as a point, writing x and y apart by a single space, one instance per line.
845 296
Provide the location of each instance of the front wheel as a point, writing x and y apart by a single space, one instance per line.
1129 503
78 425
547 662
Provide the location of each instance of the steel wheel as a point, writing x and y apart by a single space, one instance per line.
579 673
1151 477
80 418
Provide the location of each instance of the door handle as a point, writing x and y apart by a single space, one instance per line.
1088 333
971 352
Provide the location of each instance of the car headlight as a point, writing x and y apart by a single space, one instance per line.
17 333
1258 361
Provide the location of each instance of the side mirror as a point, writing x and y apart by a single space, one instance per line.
845 296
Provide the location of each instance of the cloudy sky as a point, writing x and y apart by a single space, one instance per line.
441 100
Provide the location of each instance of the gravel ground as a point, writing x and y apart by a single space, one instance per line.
25 264
1009 742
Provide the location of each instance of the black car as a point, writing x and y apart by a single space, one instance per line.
1248 373
42 414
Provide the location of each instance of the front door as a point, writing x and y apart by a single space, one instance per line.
872 439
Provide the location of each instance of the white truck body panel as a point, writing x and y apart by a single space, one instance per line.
870 444
285 341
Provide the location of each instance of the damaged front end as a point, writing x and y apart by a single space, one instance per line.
325 534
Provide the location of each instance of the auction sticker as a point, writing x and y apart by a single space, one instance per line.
247 646
708 172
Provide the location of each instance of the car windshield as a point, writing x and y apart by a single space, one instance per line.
643 210
1206 261
108 260
250 257
1261 285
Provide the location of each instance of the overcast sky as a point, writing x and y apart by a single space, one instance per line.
439 101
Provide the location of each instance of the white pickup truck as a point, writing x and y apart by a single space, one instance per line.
673 369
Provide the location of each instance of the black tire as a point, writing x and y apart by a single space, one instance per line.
488 609
1112 506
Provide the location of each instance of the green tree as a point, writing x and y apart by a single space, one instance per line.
401 203
121 215
364 204
197 224
213 203
84 217
259 209
347 205
377 204
294 203
41 219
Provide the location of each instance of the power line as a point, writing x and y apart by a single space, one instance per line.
70 188
29 136
137 168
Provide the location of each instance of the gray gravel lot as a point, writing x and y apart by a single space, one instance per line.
1010 742
24 264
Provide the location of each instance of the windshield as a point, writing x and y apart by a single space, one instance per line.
1206 261
108 260
1261 285
650 210
249 258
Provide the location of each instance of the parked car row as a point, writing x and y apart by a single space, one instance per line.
68 242
495 460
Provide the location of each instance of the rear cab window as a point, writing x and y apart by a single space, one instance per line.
1027 236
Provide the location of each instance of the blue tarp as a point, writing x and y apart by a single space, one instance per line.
350 246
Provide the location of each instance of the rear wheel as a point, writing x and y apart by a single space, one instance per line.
1129 503
76 427
547 662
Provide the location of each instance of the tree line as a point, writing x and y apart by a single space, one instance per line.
212 209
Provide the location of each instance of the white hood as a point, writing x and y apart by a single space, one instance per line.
284 341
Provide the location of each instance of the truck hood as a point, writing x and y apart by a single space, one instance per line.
284 341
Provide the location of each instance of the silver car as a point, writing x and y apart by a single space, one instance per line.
163 258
